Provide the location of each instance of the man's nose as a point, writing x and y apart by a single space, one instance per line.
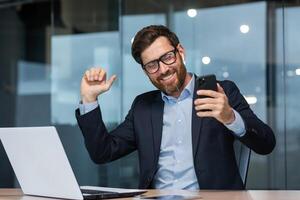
163 68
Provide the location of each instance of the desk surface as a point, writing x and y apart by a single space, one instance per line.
16 194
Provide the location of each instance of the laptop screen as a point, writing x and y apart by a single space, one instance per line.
40 162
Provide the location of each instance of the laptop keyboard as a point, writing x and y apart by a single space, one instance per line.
96 192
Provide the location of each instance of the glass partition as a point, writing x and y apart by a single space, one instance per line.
292 94
46 46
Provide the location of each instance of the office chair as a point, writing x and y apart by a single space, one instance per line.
242 156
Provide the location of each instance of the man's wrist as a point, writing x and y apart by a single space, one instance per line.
238 125
231 118
87 99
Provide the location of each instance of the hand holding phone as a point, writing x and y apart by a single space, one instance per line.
207 82
215 105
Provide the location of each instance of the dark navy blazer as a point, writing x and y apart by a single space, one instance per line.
212 142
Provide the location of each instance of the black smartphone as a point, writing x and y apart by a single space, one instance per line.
207 82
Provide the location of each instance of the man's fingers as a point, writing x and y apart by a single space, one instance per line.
205 114
87 75
101 75
95 74
209 93
209 100
205 107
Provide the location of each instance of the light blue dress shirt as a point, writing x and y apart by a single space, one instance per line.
175 165
87 107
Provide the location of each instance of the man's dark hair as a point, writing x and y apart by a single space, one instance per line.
145 37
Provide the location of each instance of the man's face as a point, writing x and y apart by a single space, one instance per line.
172 78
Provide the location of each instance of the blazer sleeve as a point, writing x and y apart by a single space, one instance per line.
259 137
104 146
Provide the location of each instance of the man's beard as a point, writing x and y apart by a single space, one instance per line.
176 86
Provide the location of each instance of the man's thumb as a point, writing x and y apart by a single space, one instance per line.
110 81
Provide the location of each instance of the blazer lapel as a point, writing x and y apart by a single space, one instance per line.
157 124
196 122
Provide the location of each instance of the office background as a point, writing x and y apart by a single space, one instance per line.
46 45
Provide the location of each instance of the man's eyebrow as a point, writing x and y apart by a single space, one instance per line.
158 57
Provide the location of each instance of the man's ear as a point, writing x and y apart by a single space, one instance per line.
181 51
182 58
180 48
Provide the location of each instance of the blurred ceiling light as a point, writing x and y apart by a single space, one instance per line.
251 99
225 74
257 89
297 72
290 73
192 12
244 28
206 60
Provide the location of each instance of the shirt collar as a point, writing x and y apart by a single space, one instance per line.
187 92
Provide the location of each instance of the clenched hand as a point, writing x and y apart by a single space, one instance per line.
94 83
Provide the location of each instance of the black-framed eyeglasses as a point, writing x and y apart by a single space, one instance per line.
168 58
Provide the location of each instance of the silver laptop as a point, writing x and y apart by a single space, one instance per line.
42 167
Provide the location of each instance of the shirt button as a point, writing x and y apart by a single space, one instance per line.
179 120
179 141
